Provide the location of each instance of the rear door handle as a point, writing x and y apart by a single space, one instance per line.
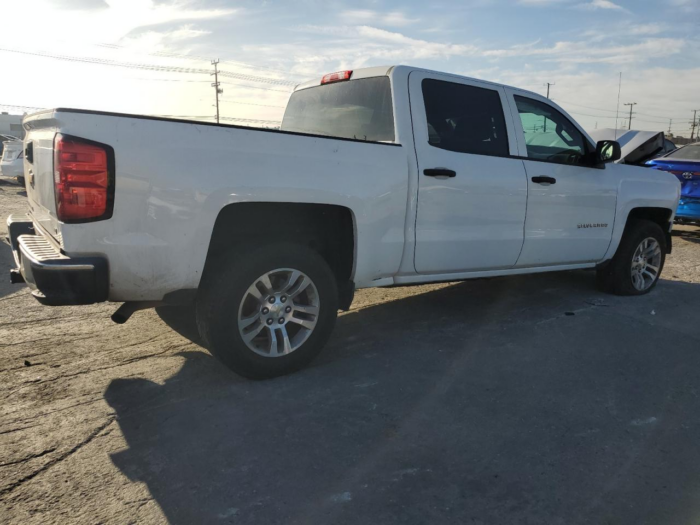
544 180
439 172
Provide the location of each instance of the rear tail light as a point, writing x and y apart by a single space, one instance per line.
83 179
336 77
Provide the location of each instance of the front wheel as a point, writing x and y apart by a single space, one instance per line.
637 265
268 310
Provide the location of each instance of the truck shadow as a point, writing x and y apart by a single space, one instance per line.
688 234
515 400
7 261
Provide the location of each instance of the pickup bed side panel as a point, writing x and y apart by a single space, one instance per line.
173 179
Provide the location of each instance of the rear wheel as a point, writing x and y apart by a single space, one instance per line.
268 311
637 265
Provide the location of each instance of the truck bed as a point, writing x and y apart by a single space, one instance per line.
173 177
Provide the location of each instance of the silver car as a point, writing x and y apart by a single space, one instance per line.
12 161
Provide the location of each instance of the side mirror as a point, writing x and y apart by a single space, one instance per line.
608 151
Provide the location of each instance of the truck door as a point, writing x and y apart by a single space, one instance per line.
471 194
571 201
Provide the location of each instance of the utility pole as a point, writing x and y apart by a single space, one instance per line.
670 123
631 105
549 84
216 85
617 110
545 118
694 124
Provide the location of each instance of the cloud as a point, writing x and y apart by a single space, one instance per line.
414 47
687 6
645 29
541 3
584 53
365 16
83 4
600 4
161 41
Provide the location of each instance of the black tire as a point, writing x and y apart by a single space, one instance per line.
224 286
616 276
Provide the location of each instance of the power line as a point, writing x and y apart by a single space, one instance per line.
662 118
235 119
13 106
192 57
231 101
151 67
166 80
256 87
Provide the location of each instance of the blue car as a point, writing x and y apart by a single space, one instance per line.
684 163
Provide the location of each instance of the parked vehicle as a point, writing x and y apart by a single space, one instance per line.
637 147
381 176
12 161
684 163
3 139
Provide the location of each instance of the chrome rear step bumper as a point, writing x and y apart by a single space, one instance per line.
55 278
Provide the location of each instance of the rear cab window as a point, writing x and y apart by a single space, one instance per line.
359 109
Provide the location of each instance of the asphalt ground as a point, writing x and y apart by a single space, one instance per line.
525 400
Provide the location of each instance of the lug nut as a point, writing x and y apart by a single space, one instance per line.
265 311
288 309
281 320
271 300
269 321
283 298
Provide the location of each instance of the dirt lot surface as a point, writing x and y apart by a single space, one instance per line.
533 399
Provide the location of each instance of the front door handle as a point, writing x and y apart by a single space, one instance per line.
439 172
542 179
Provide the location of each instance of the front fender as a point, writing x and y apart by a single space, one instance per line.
660 193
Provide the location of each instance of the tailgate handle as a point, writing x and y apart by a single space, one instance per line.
29 152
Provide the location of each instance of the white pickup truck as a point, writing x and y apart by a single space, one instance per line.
381 176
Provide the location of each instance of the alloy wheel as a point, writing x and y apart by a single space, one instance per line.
278 312
646 264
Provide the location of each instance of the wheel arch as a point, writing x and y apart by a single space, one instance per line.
329 229
657 214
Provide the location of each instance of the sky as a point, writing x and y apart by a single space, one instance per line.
154 56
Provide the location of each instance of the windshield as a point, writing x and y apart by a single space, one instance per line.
691 152
356 109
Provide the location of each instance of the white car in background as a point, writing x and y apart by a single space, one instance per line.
12 161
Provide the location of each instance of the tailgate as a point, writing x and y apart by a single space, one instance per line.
38 171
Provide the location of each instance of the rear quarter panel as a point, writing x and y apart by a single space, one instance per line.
173 178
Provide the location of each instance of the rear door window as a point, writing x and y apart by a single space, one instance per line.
355 109
466 119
